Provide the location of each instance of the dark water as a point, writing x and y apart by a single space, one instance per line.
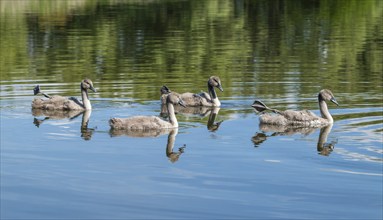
283 52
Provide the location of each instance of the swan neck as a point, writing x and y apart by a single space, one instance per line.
213 95
324 111
172 115
85 99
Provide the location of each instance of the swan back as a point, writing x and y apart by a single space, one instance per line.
298 118
291 117
208 99
139 123
201 99
57 102
150 122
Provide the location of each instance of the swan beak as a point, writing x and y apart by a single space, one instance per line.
182 103
93 89
334 101
220 87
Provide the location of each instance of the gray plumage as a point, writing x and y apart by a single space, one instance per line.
150 122
209 98
64 103
298 118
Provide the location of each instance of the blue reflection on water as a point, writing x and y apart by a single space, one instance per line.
51 171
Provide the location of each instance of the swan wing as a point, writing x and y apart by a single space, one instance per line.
57 103
139 123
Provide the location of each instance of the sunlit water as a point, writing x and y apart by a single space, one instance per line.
56 166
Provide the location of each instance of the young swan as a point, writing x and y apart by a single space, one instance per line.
201 99
298 118
150 122
63 103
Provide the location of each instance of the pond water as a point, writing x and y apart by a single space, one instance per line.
219 163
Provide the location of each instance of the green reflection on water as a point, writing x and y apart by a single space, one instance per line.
131 48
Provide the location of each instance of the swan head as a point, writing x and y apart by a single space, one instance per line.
326 95
87 84
175 98
214 81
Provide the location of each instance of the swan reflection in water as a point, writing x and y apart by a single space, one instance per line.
200 111
323 147
173 156
86 133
